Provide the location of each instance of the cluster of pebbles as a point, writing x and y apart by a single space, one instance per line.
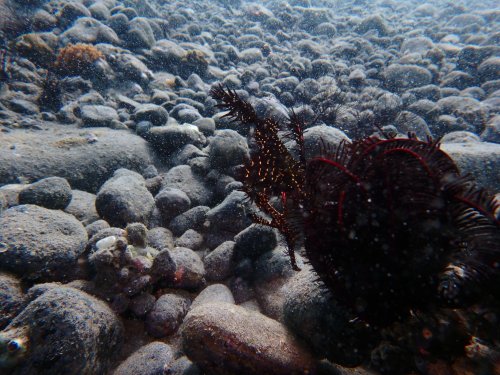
125 242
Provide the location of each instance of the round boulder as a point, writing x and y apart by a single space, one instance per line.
125 199
224 338
38 243
67 332
50 192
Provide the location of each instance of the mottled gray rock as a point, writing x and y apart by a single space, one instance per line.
172 202
171 138
82 206
426 109
124 199
183 366
419 44
214 293
373 22
466 19
23 106
227 148
167 315
458 79
150 359
89 30
250 55
11 298
136 234
141 304
230 214
140 34
489 69
99 11
96 227
219 262
317 137
398 77
254 241
86 159
50 192
167 54
190 239
160 238
183 178
205 125
216 337
153 113
131 68
69 332
272 271
491 132
470 109
190 272
481 159
460 137
98 115
193 218
408 122
70 12
163 266
186 115
38 243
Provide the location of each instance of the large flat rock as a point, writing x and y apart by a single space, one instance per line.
85 157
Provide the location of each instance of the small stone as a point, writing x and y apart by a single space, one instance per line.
160 238
190 272
401 77
170 138
254 241
136 234
150 359
140 34
124 199
164 267
153 113
82 206
95 227
218 263
373 22
227 148
167 315
172 202
190 239
98 115
51 192
183 178
193 218
143 303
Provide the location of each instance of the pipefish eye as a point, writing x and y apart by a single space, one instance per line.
14 345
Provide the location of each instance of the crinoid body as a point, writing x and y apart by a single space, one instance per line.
388 224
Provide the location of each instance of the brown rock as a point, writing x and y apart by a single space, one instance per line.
223 338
